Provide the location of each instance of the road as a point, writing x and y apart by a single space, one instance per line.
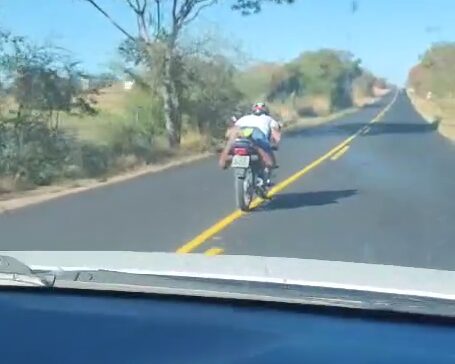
387 197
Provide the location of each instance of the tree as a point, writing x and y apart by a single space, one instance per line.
435 72
326 73
155 45
39 82
41 79
212 96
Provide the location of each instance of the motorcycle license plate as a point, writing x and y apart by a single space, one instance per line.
240 161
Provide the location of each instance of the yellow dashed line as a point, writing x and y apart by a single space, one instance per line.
214 251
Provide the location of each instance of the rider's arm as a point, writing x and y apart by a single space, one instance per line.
276 131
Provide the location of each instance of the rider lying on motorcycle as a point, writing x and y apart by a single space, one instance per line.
265 131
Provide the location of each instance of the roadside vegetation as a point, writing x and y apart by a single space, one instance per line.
431 87
58 123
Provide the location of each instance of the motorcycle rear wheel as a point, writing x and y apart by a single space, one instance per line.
244 190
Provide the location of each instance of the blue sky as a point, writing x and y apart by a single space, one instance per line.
388 35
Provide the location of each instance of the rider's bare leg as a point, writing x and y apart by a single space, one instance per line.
232 134
266 158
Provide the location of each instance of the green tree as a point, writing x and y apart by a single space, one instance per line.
42 79
328 73
211 95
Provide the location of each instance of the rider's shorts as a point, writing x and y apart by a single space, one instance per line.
261 140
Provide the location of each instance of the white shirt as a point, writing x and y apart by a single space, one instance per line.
265 123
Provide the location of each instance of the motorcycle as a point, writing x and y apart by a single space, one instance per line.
249 175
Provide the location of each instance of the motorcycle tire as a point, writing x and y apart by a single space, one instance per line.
244 190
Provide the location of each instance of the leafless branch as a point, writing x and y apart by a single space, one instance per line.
158 16
140 9
174 16
199 9
131 5
185 10
114 23
144 6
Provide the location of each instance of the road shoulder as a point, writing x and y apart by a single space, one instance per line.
434 112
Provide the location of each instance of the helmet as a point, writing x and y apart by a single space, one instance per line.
260 108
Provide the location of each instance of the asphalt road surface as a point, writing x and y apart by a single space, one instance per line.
388 197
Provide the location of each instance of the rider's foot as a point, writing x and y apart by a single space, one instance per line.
223 163
262 192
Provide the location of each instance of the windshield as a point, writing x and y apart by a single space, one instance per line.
311 130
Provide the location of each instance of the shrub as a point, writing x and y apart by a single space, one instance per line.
95 159
32 151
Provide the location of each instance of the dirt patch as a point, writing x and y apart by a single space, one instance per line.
448 130
437 110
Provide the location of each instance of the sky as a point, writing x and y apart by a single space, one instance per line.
388 35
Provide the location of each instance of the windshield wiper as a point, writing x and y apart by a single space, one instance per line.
14 273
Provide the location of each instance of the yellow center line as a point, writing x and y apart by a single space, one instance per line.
213 251
229 219
340 153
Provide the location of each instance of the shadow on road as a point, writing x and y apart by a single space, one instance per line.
296 200
375 129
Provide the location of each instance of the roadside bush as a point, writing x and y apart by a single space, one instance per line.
435 72
130 139
210 95
126 162
96 159
32 151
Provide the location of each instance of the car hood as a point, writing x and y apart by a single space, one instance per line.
410 281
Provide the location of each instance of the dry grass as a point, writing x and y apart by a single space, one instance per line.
192 141
94 129
437 109
7 184
301 107
112 99
313 106
111 103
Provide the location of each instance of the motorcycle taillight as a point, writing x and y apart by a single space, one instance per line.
241 151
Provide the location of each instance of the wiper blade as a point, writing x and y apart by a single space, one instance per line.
15 273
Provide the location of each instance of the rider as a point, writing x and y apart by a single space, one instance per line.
265 130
